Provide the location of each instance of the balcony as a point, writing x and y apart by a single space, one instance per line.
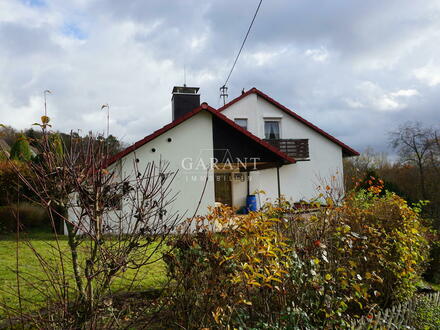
295 148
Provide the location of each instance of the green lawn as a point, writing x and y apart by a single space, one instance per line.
152 276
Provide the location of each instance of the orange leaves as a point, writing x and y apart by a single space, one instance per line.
258 253
217 315
45 120
374 248
263 253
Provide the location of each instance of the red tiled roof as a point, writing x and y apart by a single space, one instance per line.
203 107
345 148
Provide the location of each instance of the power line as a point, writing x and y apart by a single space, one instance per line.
242 45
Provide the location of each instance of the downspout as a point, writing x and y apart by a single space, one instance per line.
278 182
248 184
279 193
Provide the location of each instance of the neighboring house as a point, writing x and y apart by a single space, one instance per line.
251 143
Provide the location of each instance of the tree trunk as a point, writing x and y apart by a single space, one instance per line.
422 181
75 263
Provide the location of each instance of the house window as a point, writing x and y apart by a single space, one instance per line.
272 129
242 122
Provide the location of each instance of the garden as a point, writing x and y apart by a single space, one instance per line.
349 262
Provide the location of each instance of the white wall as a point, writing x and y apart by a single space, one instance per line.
239 192
192 141
298 181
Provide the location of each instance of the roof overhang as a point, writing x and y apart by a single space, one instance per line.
243 138
346 150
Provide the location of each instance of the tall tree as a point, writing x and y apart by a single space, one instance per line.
434 154
414 143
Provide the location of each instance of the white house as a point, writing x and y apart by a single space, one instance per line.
318 155
251 143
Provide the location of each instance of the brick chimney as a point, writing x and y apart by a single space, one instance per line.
185 99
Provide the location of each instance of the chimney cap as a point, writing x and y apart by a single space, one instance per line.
185 90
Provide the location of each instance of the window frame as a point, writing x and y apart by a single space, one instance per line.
242 118
276 120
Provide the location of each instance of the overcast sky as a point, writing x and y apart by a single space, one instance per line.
357 69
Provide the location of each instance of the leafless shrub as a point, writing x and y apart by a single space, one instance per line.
114 225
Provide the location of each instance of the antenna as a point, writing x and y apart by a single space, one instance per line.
108 117
184 74
108 126
224 93
45 105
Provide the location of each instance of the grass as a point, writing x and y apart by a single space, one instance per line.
33 276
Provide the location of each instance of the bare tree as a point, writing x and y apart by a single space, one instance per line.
414 144
355 168
113 224
434 154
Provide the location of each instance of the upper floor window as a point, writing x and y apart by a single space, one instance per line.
272 129
242 122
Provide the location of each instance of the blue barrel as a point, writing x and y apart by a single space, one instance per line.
251 203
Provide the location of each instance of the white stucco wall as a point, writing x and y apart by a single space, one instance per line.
191 142
298 181
239 192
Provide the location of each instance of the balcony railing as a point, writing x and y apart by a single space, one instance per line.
295 148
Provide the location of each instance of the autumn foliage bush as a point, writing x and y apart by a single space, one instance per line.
220 273
280 268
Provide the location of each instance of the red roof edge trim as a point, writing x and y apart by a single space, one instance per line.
152 136
345 148
203 106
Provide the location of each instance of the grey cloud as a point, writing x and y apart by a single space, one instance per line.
311 56
19 40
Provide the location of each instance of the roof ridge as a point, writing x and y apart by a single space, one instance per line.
348 150
203 106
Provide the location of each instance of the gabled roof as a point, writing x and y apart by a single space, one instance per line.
347 151
214 112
